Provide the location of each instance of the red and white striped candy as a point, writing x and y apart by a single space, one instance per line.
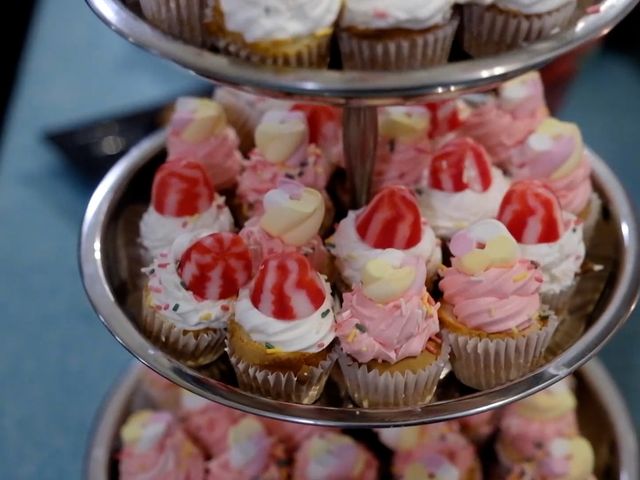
460 164
317 117
286 287
216 266
391 220
181 188
532 213
446 117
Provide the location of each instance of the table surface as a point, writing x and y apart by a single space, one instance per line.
56 360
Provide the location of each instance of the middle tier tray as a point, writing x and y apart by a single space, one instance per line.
110 260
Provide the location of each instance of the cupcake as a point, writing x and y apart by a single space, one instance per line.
547 236
182 201
190 295
281 339
282 151
445 117
387 328
555 154
207 422
248 452
439 448
491 312
198 130
492 27
160 392
245 110
480 427
561 459
182 19
292 217
391 221
154 446
503 121
403 146
376 35
325 130
460 187
293 435
333 456
528 426
272 32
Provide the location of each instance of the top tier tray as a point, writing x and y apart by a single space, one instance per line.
365 88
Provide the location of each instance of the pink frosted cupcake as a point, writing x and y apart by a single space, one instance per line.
282 151
293 435
403 146
547 236
207 422
491 313
182 201
334 456
529 425
154 446
248 452
555 154
460 187
292 217
387 329
480 427
325 129
162 393
391 222
198 131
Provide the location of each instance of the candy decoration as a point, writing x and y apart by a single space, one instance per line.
197 119
391 220
483 245
216 266
431 465
317 117
181 189
384 282
532 213
280 134
446 116
287 288
563 141
404 123
460 164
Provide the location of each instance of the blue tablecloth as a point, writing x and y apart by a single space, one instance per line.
56 359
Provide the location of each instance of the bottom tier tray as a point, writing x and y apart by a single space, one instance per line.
603 415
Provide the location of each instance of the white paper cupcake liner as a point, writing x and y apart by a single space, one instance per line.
483 363
286 387
488 30
182 19
368 388
193 348
410 53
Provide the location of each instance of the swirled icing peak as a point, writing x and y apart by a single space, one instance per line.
292 212
460 164
287 288
181 189
532 213
391 220
197 119
280 134
485 244
404 124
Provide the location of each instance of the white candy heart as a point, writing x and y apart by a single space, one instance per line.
280 134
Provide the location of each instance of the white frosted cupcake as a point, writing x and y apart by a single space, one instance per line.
399 35
190 295
391 221
272 32
182 201
460 187
491 27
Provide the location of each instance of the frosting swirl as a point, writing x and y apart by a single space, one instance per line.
407 14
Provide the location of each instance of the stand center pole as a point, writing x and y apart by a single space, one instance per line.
360 138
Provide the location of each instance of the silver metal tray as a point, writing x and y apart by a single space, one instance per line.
355 87
604 420
110 264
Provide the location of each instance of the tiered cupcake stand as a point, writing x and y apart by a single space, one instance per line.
110 261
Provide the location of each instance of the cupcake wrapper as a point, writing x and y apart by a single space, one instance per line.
484 363
491 30
193 348
311 53
590 216
410 53
371 389
179 18
286 387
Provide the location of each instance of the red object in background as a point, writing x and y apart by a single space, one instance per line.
559 74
